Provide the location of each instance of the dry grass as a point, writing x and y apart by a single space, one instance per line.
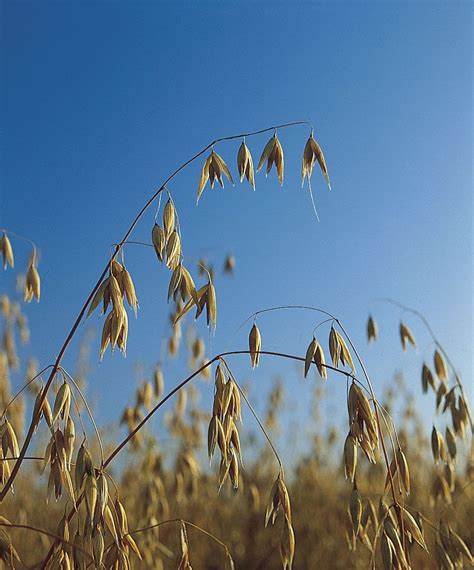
378 495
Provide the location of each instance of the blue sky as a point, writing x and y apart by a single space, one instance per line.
101 101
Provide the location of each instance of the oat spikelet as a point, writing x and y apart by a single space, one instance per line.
212 170
334 347
415 531
427 379
437 445
159 241
279 498
255 345
98 297
440 366
287 545
350 457
320 361
355 509
372 330
404 471
168 218
173 250
129 290
158 382
32 283
7 251
62 402
184 563
245 164
312 152
229 264
310 352
406 336
211 306
273 154
8 554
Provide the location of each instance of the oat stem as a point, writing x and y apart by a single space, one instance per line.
265 433
82 312
88 411
438 345
24 388
45 533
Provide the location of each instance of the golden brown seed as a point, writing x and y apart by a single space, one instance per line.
229 264
426 379
403 470
320 361
158 382
350 457
273 154
212 170
334 347
245 164
287 545
90 492
437 445
412 526
372 329
98 296
440 366
345 354
406 336
255 345
129 290
98 546
451 443
69 439
7 251
173 250
168 218
159 241
310 352
312 152
32 284
62 403
211 306
355 509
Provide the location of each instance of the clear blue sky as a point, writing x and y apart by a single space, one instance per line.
101 100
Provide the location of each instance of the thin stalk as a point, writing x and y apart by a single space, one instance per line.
80 316
424 320
379 428
24 388
45 533
265 433
96 429
120 446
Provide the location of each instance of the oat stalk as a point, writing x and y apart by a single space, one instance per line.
69 337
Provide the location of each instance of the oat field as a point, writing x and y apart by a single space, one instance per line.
178 479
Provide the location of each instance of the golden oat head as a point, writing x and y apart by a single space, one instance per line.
255 345
406 336
312 153
7 251
168 219
440 366
372 329
229 264
158 240
245 164
287 545
212 170
32 287
272 154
